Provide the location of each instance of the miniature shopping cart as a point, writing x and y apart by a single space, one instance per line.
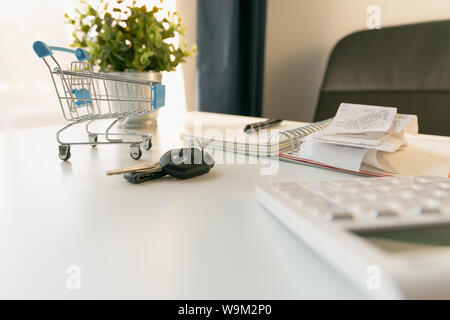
86 96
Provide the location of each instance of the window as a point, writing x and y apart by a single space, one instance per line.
27 95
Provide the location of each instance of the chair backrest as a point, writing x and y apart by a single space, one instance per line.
407 67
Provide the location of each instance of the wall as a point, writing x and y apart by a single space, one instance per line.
300 35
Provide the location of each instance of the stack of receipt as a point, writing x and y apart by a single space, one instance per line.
360 134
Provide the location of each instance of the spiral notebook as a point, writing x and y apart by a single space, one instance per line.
282 142
227 134
212 131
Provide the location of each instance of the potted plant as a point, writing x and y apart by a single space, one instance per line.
123 38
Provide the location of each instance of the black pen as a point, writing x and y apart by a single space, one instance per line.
252 127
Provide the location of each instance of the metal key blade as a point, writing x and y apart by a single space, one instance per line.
154 167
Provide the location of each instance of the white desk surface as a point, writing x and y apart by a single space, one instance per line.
205 238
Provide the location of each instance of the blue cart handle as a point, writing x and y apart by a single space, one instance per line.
42 50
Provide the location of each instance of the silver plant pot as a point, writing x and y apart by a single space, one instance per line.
142 121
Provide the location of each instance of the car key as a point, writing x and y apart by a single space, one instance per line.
182 163
197 156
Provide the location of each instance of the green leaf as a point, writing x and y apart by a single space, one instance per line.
158 40
118 56
134 39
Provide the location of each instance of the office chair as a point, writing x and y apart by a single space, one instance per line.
407 67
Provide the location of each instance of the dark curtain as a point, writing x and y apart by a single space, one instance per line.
230 37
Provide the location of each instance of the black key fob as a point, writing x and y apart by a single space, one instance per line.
186 163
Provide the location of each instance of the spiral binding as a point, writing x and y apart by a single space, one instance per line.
295 135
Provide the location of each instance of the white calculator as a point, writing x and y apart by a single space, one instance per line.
390 235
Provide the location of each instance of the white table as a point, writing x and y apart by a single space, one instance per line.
205 238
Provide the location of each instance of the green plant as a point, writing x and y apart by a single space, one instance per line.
129 37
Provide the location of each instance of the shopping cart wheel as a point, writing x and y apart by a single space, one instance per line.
93 138
64 152
148 144
135 151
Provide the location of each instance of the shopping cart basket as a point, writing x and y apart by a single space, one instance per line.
86 96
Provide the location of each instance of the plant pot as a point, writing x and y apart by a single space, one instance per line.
141 121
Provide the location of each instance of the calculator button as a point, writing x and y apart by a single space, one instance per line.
315 185
399 180
383 213
441 194
338 215
392 203
426 179
352 190
444 185
344 184
303 196
308 202
325 207
384 188
373 182
299 191
345 200
371 196
360 206
406 194
424 210
418 187
325 193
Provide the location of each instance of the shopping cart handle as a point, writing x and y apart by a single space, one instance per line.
42 50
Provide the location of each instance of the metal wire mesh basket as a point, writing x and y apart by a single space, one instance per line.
85 96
